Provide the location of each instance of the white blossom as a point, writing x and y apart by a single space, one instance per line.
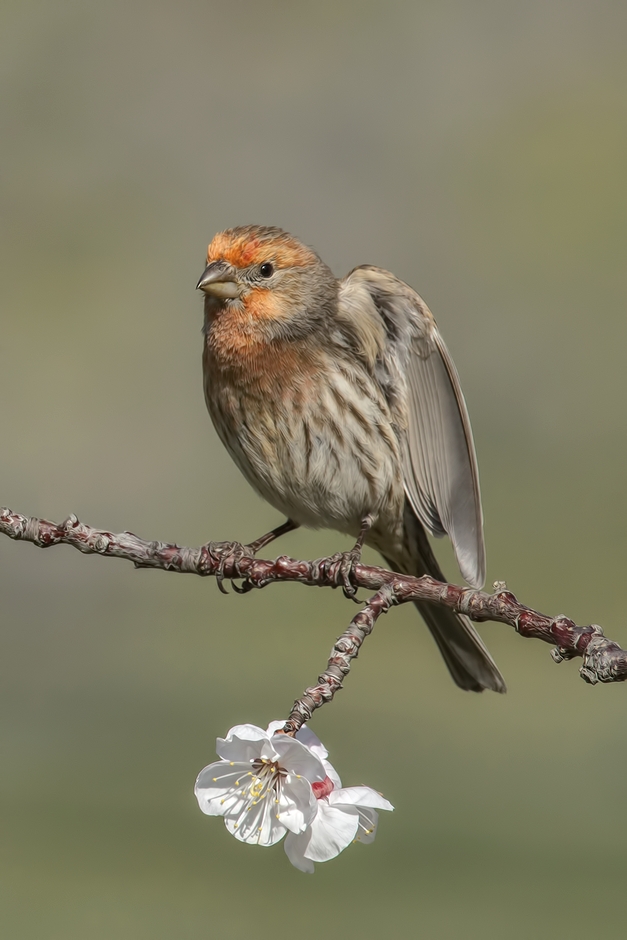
268 784
345 815
261 785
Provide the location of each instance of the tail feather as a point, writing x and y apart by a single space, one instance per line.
462 649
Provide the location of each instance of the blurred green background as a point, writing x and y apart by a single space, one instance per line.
479 151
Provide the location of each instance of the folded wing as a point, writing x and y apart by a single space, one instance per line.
440 466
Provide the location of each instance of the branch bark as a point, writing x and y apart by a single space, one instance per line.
603 659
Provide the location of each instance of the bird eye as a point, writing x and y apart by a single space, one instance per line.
266 269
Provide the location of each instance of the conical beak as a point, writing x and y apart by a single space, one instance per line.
219 279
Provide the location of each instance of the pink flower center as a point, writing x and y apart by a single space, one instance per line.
323 788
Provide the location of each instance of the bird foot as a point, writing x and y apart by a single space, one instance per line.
230 553
340 567
342 564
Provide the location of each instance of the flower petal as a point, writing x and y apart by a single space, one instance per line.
268 750
256 824
306 736
332 774
216 787
294 848
295 803
368 821
242 743
359 796
333 829
315 745
298 759
274 727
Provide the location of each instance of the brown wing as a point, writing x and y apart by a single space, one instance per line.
440 466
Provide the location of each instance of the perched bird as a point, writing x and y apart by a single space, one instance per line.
340 404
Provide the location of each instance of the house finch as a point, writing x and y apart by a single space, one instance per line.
340 404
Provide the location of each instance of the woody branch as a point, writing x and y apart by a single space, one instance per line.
603 659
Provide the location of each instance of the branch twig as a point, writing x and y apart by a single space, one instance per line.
603 659
344 651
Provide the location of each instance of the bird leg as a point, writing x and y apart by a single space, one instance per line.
348 560
263 540
233 551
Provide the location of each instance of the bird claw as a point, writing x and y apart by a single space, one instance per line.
229 553
344 564
232 552
246 586
345 561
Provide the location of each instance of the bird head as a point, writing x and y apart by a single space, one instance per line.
261 273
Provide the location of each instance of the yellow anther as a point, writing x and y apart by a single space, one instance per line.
214 779
231 763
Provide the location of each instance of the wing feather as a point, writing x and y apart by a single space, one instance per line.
439 462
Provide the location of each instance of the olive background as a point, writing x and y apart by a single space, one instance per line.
479 151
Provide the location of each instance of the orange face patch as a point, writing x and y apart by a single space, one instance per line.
266 305
243 249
